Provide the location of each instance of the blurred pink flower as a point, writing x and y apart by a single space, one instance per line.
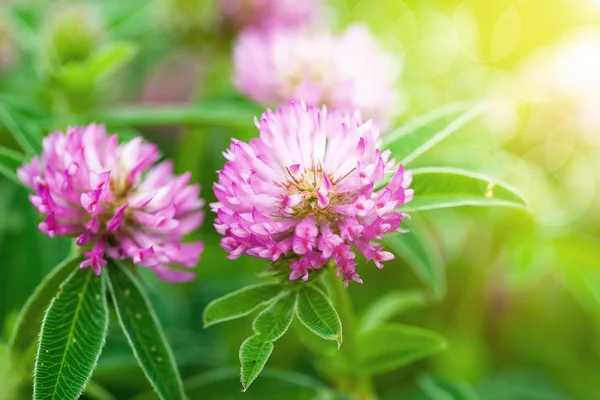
266 13
305 192
115 200
350 71
7 46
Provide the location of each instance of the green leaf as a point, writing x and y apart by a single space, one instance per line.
72 337
391 304
254 353
221 384
419 135
27 327
110 58
143 331
577 261
30 144
391 346
230 114
10 161
268 326
416 249
11 380
94 391
239 303
316 312
438 389
449 187
274 321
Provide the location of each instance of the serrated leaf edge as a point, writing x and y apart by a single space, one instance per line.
69 341
337 337
155 320
232 294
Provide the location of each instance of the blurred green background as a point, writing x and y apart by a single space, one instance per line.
522 305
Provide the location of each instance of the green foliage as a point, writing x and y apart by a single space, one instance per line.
268 326
94 391
390 305
24 138
224 384
72 337
85 75
416 249
10 161
316 312
415 137
220 113
144 333
449 187
274 321
438 389
391 346
30 319
240 303
254 353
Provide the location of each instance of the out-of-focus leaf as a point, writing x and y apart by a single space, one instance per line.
438 389
578 258
269 326
110 58
232 114
27 327
11 380
10 161
28 142
449 187
94 391
317 313
223 384
144 333
415 248
521 385
72 337
419 135
391 346
240 303
27 21
389 305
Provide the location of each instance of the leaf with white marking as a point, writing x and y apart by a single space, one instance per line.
449 187
144 333
72 337
419 135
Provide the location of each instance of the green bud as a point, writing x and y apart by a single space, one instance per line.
73 33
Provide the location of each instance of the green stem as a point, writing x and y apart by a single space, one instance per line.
356 384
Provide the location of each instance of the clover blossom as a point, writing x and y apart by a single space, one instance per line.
305 192
266 13
115 201
350 71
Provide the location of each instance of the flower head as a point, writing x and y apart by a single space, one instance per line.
115 200
267 13
350 71
305 192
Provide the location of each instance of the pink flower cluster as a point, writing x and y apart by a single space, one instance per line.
117 203
307 192
350 71
266 13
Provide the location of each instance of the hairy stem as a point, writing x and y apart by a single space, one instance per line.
355 383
